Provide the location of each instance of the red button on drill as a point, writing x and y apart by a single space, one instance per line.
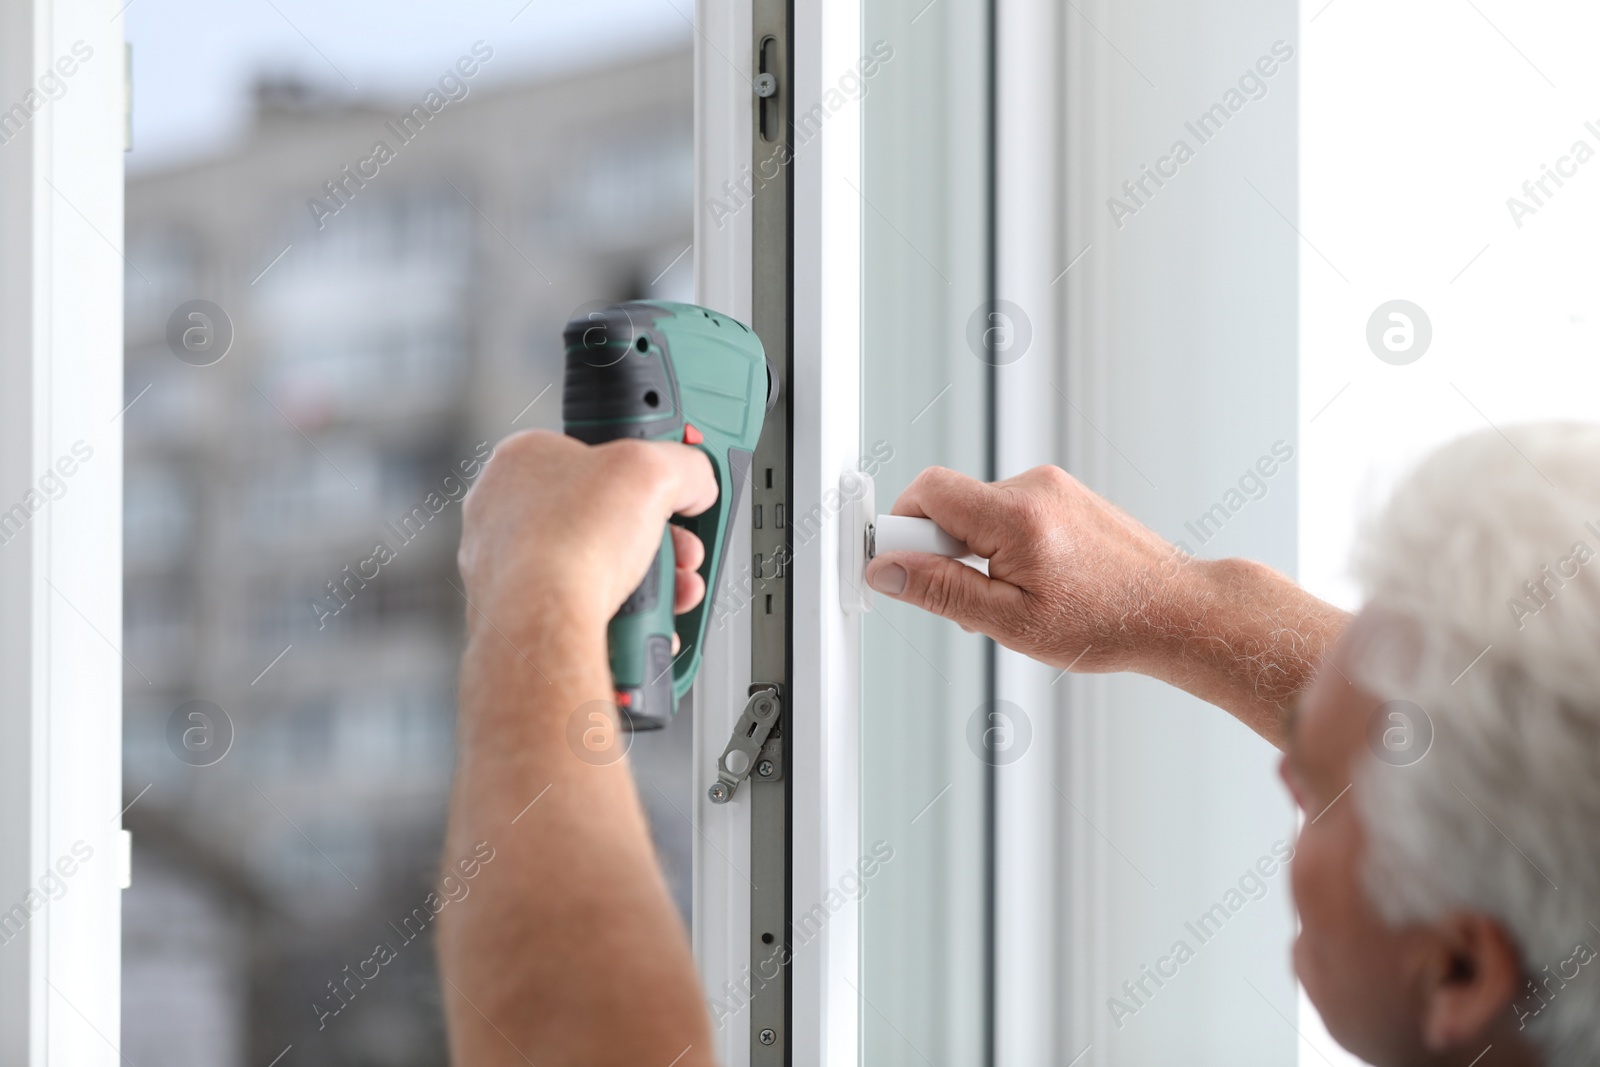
692 436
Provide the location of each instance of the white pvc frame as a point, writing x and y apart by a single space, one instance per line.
1030 897
826 1005
61 282
823 710
722 258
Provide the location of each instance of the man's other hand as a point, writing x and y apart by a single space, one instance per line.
1076 582
558 527
1073 580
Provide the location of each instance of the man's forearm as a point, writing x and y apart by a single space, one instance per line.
1076 582
1242 636
569 949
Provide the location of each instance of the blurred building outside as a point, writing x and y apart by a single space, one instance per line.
372 350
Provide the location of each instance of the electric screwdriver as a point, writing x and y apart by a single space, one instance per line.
667 372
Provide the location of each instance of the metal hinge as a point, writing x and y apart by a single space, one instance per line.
743 752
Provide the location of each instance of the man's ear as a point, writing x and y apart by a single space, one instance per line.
1471 975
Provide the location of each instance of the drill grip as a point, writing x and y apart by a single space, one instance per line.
639 637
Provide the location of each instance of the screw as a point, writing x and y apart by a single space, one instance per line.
718 793
766 85
765 768
767 1037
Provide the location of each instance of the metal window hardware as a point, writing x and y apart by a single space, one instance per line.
744 749
766 791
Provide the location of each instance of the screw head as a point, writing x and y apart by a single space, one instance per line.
765 768
767 1037
766 85
718 793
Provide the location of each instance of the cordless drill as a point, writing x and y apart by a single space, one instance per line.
667 372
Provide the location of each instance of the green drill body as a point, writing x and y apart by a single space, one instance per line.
667 372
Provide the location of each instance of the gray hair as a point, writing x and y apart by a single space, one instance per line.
1482 583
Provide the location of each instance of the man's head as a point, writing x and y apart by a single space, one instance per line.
1448 764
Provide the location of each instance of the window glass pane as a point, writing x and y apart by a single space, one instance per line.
924 786
389 212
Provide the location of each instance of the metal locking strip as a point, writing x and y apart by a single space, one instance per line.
772 271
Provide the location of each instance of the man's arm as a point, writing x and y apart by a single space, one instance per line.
568 948
1076 582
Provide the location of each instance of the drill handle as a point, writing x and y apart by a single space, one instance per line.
711 526
650 678
639 638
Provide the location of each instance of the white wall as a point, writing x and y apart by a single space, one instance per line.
1409 156
1180 331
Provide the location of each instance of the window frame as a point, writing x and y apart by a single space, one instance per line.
1031 906
61 204
826 1013
1062 933
61 298
823 710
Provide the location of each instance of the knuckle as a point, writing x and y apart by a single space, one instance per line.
1037 504
1049 479
523 444
1056 478
933 478
1040 473
637 461
1045 478
627 450
523 451
527 449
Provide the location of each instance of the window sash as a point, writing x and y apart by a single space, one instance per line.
824 706
61 293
